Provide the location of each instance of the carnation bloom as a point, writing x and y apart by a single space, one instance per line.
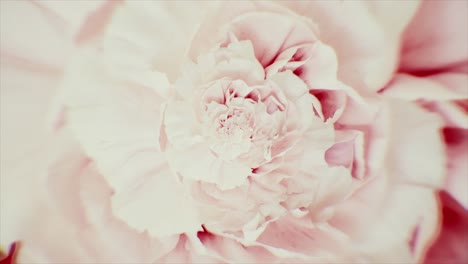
219 140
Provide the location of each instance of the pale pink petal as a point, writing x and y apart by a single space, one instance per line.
197 162
453 112
88 215
390 222
364 34
52 25
320 71
78 16
158 204
25 94
113 239
212 30
25 205
30 72
348 151
229 250
441 87
436 38
442 92
417 153
268 44
117 124
23 21
138 35
287 234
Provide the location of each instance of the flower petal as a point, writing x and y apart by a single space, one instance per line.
268 44
158 204
117 123
456 182
436 38
413 132
381 219
138 34
364 34
84 198
453 238
408 87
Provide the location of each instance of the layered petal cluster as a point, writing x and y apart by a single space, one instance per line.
242 132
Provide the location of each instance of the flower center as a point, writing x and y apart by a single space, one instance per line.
230 128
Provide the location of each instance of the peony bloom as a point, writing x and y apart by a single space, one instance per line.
234 132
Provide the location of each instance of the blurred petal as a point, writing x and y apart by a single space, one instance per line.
457 153
37 38
436 38
230 250
44 36
442 92
288 235
416 154
88 217
25 95
78 16
381 218
441 87
450 246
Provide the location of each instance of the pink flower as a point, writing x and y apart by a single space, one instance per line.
232 132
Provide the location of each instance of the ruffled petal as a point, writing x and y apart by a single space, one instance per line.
364 34
268 44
